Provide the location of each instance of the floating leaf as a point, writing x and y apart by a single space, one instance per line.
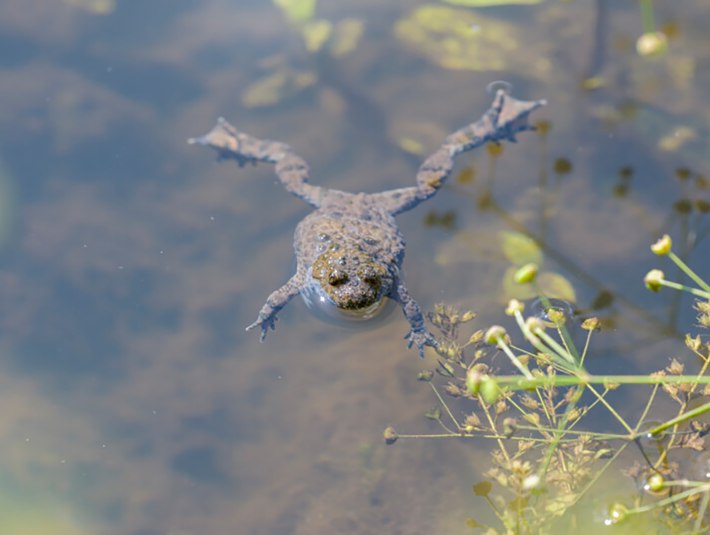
519 248
96 7
489 3
482 488
458 39
473 523
316 33
30 516
346 36
470 245
416 137
297 11
275 87
555 286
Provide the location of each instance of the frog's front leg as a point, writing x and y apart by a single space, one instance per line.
291 169
418 334
275 302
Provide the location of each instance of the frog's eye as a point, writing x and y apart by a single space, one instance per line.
372 278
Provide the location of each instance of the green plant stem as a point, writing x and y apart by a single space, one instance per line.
563 358
680 419
646 409
649 25
610 408
446 407
570 347
506 349
559 433
586 347
684 288
520 383
705 487
690 273
600 472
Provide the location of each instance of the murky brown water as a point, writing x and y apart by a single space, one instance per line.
132 402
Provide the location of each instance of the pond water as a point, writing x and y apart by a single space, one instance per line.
132 401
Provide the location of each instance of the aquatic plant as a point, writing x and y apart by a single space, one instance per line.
318 36
545 463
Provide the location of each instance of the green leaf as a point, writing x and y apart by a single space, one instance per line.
297 11
556 286
316 33
473 523
482 488
346 36
552 284
519 248
276 87
459 39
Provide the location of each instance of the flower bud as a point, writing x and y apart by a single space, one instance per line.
526 274
662 246
514 306
489 390
653 279
495 335
652 44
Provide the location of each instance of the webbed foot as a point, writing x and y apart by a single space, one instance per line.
420 338
264 324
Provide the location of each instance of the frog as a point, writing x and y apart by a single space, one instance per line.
349 250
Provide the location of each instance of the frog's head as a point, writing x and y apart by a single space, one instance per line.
354 281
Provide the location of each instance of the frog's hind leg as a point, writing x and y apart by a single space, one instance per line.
504 119
291 169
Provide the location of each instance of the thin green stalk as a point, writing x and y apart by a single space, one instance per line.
649 25
600 472
611 409
506 349
446 407
570 348
646 409
680 419
705 487
689 272
683 288
516 382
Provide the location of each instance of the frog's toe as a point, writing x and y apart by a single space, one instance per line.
420 339
264 325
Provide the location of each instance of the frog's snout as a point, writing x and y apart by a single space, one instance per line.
350 278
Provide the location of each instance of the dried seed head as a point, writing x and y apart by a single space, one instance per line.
390 435
591 324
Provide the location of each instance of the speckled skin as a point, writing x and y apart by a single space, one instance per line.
349 251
